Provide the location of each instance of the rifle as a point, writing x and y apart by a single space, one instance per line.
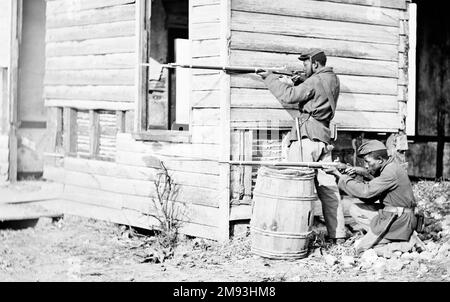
312 165
156 68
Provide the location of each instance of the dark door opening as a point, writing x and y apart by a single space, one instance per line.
430 152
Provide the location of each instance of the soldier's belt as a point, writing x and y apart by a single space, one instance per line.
398 210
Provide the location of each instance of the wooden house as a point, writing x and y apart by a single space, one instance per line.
106 120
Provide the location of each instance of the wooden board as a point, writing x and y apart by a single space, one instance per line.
202 31
399 4
192 213
172 163
204 2
100 93
346 120
87 104
96 31
205 48
17 212
261 98
140 173
205 13
89 62
205 134
266 42
66 6
314 28
325 11
36 191
342 66
143 188
205 117
125 216
90 47
93 16
188 151
349 84
90 77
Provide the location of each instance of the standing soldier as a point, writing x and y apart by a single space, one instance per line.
393 218
316 98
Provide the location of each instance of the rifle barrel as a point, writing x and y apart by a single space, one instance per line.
312 165
238 69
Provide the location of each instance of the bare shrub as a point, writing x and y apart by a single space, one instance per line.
168 214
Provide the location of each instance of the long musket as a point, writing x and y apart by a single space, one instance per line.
156 69
312 165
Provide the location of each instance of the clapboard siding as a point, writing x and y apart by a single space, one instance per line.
273 43
93 16
261 98
90 54
204 31
120 170
361 38
75 6
349 84
206 13
328 11
96 31
100 93
341 65
347 120
188 151
90 47
173 163
90 77
89 62
314 28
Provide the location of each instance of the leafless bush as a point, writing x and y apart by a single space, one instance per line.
168 214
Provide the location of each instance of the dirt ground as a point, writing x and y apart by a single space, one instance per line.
81 249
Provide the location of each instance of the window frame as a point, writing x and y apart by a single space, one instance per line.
140 131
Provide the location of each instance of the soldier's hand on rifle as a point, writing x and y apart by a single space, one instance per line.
331 170
298 78
263 73
286 80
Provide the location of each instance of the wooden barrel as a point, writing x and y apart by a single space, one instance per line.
282 216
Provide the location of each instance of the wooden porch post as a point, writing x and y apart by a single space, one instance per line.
16 33
225 95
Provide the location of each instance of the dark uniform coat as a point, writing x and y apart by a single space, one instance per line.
393 188
317 98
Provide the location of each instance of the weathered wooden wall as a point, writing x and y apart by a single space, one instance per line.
364 44
118 183
90 49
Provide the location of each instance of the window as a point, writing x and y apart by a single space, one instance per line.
164 100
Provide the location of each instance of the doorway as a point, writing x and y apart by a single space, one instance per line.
31 113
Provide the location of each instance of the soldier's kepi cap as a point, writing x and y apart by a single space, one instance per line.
370 146
312 53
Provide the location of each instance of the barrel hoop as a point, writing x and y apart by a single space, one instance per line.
279 255
280 234
286 176
306 198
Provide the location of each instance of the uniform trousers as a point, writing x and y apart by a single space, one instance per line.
363 214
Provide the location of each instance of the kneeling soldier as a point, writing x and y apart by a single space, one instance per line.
392 219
